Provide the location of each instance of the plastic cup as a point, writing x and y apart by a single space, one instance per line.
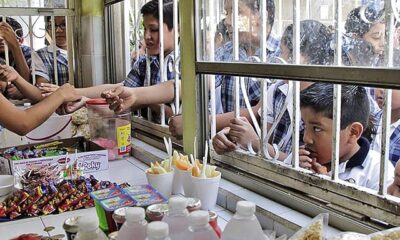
177 186
187 183
161 182
206 189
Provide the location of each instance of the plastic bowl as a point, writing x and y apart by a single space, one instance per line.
6 184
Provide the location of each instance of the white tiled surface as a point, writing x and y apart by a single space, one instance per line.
127 170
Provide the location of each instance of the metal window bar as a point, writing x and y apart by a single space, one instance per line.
54 46
212 30
30 32
264 84
337 96
386 115
176 56
5 43
161 61
235 16
296 85
70 49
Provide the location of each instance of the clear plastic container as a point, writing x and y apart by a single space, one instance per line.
135 225
157 231
244 224
199 228
111 131
177 218
88 229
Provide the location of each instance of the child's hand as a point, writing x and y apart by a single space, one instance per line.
242 132
318 168
394 188
47 88
68 93
70 107
8 74
8 35
13 92
175 125
120 99
305 161
221 143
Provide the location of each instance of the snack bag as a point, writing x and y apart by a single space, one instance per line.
314 230
350 236
393 233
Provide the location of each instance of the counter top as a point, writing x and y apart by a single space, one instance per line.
126 170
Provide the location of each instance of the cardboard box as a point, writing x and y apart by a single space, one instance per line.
90 156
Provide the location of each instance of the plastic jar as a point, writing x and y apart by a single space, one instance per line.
108 130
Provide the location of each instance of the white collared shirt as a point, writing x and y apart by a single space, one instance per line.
366 175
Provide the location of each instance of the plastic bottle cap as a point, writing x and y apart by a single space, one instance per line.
87 224
157 229
134 214
200 217
245 208
177 203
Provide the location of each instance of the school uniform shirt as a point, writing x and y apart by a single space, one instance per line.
141 76
26 51
227 83
394 141
277 95
363 167
44 65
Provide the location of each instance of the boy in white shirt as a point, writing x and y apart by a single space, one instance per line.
358 164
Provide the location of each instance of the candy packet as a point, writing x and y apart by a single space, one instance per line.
314 230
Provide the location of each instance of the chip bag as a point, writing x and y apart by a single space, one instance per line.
390 234
314 230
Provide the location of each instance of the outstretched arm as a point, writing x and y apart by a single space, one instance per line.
23 121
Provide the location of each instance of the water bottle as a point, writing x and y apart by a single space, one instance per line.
199 227
244 224
157 231
135 225
88 229
177 218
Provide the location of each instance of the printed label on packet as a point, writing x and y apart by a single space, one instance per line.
114 203
106 193
138 189
124 139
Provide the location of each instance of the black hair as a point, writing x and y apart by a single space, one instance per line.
254 5
315 41
151 8
222 29
16 26
354 107
356 20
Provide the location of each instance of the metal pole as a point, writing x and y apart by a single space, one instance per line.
235 14
176 56
161 60
337 95
212 77
70 50
30 31
386 116
264 89
54 47
296 85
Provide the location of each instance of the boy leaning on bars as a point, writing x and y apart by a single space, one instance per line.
137 76
357 163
